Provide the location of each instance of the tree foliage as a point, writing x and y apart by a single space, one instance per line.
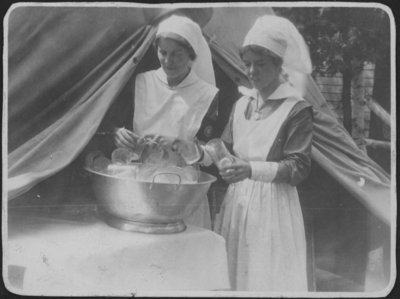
341 39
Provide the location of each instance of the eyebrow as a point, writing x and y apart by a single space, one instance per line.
178 50
256 61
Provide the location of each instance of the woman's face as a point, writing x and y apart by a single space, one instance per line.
174 58
260 69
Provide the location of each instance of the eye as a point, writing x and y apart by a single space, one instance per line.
179 54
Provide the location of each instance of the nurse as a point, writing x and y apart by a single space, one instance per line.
270 133
172 102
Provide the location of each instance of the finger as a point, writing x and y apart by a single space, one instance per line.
128 136
149 137
158 138
149 140
121 138
132 134
227 170
125 142
152 139
234 174
235 166
228 176
231 167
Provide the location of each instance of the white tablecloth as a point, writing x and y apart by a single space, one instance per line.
66 256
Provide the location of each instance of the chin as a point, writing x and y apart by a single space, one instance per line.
171 74
258 86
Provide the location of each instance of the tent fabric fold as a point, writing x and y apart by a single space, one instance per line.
51 62
57 145
52 138
66 66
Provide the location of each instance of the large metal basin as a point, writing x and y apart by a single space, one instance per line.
149 207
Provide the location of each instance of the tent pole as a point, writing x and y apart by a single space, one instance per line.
377 109
377 144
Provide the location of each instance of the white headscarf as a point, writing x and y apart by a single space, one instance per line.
191 32
281 37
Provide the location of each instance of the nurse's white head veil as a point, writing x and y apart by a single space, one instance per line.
191 32
282 38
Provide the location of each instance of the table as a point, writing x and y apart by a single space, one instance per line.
77 255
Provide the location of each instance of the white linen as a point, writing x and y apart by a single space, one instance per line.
68 257
175 112
262 222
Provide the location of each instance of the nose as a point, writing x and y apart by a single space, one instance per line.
168 60
251 69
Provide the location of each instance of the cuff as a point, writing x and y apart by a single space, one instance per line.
263 171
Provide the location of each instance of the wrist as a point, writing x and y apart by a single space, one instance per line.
249 170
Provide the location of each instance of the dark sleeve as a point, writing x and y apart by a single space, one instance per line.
207 128
295 164
120 113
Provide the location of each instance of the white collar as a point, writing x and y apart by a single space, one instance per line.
190 79
284 90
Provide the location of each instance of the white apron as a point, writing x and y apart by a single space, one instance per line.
262 223
175 112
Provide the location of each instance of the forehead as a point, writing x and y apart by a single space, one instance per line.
251 55
169 44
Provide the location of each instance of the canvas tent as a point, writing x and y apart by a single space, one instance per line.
66 66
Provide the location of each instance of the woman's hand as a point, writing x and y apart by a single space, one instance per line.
238 171
190 151
124 138
159 141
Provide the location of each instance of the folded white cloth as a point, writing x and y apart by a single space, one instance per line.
81 257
